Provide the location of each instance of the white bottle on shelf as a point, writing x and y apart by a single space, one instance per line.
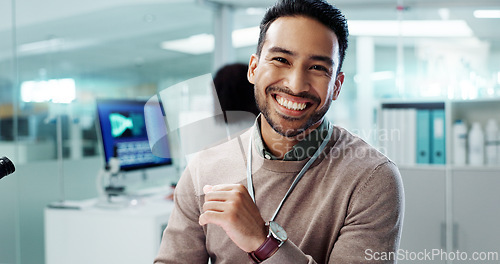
459 143
476 145
491 142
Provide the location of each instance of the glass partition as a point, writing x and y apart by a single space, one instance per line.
56 59
67 56
9 232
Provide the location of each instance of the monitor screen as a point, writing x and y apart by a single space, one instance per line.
123 132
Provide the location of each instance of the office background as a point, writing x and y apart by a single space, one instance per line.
402 55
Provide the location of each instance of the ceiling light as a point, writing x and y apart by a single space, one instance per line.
204 43
409 28
253 11
245 37
44 45
487 13
196 44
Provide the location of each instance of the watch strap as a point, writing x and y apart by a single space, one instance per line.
266 250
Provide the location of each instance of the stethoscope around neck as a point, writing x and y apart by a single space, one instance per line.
297 178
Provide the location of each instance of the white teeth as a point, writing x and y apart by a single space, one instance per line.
290 105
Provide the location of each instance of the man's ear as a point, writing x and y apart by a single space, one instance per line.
252 66
338 85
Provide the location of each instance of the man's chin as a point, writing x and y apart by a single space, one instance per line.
289 127
293 134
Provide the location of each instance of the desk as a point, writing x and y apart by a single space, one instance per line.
106 235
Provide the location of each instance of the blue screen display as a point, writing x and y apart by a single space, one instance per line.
124 135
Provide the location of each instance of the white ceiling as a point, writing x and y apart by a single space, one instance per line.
116 37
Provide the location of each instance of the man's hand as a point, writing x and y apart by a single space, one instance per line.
231 207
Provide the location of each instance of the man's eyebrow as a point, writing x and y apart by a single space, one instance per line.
322 58
281 50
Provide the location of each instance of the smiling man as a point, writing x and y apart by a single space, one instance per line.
294 188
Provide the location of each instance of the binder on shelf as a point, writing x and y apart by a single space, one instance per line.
402 136
398 135
438 145
392 129
423 136
384 134
411 136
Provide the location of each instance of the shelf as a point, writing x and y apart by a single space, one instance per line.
425 167
422 167
475 168
476 110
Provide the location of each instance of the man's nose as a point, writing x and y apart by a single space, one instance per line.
296 80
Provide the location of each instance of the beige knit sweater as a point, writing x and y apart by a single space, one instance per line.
348 207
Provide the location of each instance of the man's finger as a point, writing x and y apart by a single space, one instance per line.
224 187
237 196
214 206
217 196
207 189
211 217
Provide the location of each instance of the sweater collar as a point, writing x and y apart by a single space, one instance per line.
304 149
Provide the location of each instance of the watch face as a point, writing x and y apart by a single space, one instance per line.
278 231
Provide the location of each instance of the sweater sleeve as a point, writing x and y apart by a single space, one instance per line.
183 240
373 224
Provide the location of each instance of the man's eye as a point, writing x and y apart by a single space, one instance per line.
319 68
280 59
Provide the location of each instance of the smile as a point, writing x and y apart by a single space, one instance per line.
296 106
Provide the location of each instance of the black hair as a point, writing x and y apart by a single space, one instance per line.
234 91
320 10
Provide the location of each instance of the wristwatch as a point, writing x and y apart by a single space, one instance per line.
275 239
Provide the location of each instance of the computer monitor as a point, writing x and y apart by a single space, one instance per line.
123 133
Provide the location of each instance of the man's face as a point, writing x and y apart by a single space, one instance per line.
294 76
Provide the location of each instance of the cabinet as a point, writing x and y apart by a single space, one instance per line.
448 207
425 210
106 235
476 211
